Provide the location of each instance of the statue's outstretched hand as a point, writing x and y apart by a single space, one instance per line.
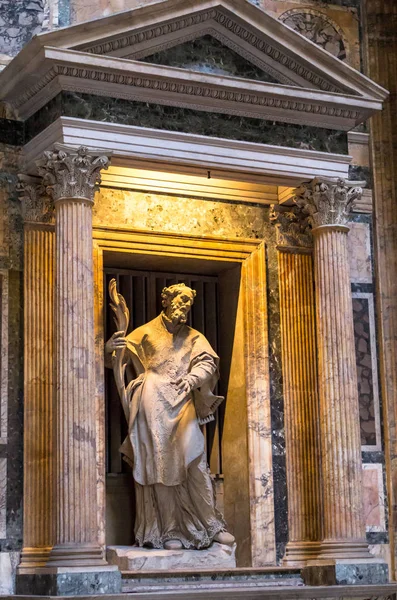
116 342
183 386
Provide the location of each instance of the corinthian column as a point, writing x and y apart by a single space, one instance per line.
328 205
301 405
72 177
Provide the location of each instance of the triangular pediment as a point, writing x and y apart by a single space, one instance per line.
206 54
225 56
247 30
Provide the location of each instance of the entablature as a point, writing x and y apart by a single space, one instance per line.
233 169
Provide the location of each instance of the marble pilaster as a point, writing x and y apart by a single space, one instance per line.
380 43
100 392
329 204
256 358
38 519
300 384
72 177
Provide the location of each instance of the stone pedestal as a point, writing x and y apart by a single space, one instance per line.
127 558
344 537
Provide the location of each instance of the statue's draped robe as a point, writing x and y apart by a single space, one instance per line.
174 492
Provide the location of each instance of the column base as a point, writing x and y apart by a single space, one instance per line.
345 572
61 581
32 558
76 555
298 554
350 550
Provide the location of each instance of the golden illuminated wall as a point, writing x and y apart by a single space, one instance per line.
191 216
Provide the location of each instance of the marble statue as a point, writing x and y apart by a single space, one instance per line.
171 371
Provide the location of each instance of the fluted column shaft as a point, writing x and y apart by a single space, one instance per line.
300 404
75 360
339 409
38 524
72 176
300 384
328 205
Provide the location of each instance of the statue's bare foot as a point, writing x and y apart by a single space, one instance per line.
173 545
224 537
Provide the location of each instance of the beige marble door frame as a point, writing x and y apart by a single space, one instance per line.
249 255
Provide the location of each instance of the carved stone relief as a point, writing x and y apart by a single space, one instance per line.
316 26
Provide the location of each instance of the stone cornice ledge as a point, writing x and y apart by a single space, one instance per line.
52 70
129 144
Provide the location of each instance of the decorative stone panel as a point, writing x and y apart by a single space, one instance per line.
318 28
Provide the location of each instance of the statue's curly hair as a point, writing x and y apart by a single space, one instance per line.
168 293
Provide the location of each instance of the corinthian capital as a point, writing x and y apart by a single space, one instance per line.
69 173
36 204
292 228
328 202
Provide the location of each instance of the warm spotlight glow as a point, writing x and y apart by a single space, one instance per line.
218 186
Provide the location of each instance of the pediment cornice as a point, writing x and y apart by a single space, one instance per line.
58 69
102 57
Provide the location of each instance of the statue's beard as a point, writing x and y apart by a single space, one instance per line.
177 315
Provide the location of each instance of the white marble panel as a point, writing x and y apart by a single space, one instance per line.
374 497
6 575
359 246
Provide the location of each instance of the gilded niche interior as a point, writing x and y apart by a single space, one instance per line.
230 276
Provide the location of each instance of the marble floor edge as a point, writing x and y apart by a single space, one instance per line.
360 592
